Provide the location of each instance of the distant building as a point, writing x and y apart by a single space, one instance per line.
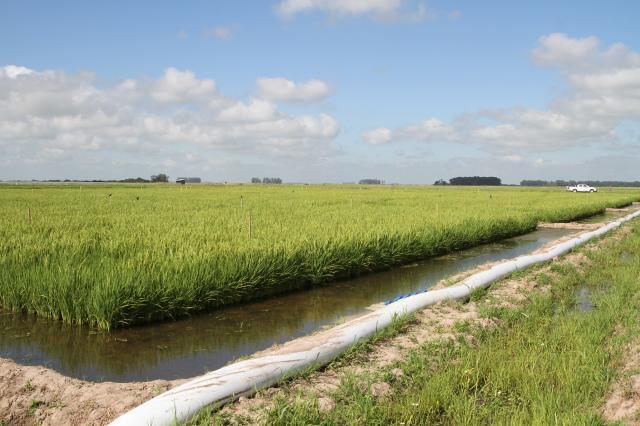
183 180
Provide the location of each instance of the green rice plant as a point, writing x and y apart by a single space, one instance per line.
118 255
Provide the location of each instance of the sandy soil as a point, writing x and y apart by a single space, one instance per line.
623 402
37 395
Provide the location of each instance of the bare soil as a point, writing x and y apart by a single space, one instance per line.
623 401
37 395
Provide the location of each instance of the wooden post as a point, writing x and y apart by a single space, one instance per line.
250 224
241 201
29 215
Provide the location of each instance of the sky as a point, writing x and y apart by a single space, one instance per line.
320 90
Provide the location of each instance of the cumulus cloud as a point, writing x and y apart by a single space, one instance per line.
255 110
603 91
177 86
386 10
45 115
282 89
378 136
13 71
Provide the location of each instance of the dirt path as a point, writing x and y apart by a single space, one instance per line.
37 395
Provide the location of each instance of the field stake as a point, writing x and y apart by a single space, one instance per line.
249 224
241 200
29 215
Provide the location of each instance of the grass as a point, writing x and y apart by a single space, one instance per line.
545 363
114 256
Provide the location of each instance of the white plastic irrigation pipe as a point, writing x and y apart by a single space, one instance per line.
245 377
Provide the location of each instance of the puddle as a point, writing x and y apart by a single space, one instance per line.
583 300
192 346
626 257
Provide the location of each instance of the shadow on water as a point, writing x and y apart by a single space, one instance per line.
192 346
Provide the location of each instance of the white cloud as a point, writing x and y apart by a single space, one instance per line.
282 89
513 158
430 129
49 115
559 49
255 110
604 90
13 71
177 86
385 10
378 136
222 32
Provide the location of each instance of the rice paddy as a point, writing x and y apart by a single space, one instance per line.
114 256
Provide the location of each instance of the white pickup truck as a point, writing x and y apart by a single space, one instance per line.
581 187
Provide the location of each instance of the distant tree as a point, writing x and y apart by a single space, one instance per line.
441 182
370 182
160 178
535 183
476 180
135 180
271 180
256 180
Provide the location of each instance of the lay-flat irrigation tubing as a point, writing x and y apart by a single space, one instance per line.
246 377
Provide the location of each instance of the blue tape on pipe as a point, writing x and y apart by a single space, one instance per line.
404 296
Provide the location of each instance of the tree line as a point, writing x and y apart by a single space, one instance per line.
266 180
471 180
370 182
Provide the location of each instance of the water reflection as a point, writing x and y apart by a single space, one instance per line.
192 346
603 217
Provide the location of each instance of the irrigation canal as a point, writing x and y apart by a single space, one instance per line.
192 346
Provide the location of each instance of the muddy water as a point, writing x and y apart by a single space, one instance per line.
193 346
583 300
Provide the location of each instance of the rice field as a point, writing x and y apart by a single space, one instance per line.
114 256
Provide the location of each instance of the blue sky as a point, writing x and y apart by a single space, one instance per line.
406 91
